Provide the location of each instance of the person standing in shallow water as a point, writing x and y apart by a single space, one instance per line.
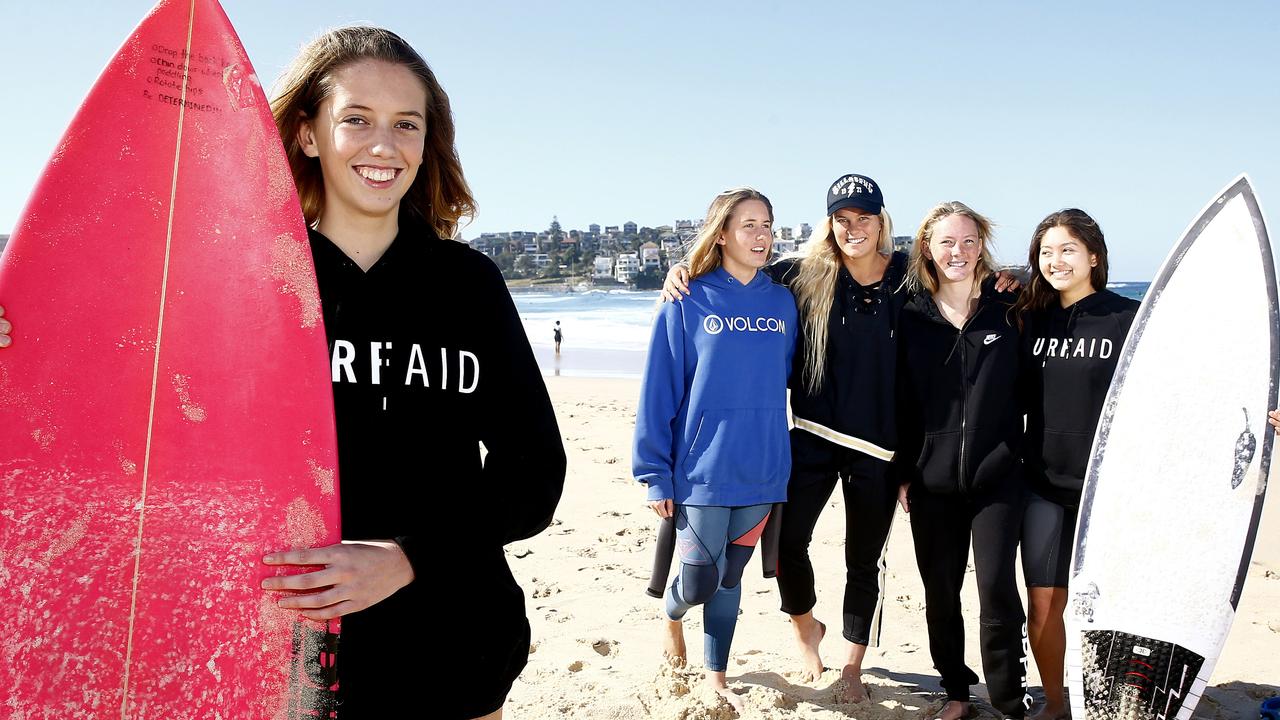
711 429
558 337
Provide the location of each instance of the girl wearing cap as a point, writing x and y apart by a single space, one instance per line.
711 430
1066 298
960 418
848 284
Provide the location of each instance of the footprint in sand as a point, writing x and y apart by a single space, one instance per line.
542 590
556 616
603 648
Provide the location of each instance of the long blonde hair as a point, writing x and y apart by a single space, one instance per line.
921 274
704 253
815 290
439 194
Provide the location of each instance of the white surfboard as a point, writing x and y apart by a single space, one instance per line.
1178 472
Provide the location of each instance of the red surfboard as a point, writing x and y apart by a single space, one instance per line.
165 410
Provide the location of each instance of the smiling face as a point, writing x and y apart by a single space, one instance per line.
746 239
369 136
1067 264
955 248
856 233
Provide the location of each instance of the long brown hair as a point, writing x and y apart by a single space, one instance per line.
921 274
1039 294
705 254
439 194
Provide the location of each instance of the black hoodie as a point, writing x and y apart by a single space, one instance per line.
959 405
1070 354
429 360
855 407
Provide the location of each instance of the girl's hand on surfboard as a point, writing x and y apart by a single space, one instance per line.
664 508
1007 281
5 328
903 500
677 282
1273 417
356 574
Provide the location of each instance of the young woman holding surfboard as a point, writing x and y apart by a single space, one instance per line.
960 418
370 138
711 429
848 284
1073 329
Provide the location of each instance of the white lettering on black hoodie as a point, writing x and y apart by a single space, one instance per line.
429 360
959 404
1071 354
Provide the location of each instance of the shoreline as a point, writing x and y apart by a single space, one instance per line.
596 652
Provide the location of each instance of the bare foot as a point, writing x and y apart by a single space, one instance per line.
717 681
809 633
953 710
852 690
673 643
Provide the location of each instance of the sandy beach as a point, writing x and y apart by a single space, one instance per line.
596 650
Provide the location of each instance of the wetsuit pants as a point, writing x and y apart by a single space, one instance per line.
1048 536
942 526
713 545
869 498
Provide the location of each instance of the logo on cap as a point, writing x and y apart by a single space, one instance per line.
853 185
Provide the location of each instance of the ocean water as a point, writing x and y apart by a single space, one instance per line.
606 332
1135 290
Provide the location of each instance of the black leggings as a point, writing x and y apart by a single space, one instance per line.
941 526
869 498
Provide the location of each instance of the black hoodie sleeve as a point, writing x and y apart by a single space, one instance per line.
524 466
910 423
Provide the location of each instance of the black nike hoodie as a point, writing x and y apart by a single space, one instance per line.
1070 355
959 405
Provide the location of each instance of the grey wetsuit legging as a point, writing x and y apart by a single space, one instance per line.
713 545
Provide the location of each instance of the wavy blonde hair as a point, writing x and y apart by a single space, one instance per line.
815 290
921 274
704 253
439 195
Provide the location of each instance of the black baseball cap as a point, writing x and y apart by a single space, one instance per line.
855 191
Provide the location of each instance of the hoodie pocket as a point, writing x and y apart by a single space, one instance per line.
995 468
1066 457
939 462
742 445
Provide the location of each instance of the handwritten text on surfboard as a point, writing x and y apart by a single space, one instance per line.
180 77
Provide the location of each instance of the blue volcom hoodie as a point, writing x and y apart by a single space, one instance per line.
711 428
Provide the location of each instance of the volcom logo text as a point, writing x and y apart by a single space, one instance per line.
716 324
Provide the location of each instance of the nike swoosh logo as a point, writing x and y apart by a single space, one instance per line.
990 339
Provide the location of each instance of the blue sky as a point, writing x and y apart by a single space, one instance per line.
606 112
